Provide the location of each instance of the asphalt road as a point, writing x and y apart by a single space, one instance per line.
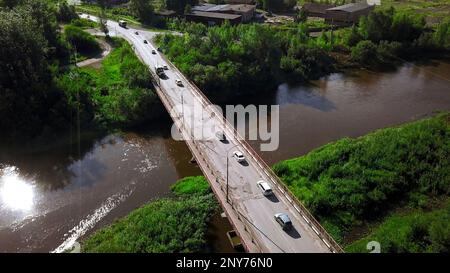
244 192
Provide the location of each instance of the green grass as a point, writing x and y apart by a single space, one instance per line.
119 94
84 23
435 11
355 181
163 226
191 185
413 232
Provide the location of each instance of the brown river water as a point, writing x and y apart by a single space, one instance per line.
54 194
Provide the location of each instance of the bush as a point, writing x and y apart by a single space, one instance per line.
371 55
83 42
414 232
162 226
356 180
165 225
191 185
118 95
84 23
365 53
66 13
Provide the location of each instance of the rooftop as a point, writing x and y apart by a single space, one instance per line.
352 7
316 7
217 15
222 8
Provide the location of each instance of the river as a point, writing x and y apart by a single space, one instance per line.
56 193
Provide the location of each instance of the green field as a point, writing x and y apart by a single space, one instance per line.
434 10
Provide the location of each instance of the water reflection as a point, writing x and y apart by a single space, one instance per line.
16 193
303 95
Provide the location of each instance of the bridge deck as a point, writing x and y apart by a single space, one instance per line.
248 210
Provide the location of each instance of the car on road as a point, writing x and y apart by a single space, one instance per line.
265 187
145 42
137 33
221 136
165 67
239 156
178 82
284 220
153 51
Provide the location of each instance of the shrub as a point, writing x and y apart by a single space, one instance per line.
356 180
84 42
417 231
365 53
166 225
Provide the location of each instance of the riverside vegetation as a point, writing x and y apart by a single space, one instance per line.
38 80
248 59
395 181
176 224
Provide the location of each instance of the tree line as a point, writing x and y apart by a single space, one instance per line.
41 92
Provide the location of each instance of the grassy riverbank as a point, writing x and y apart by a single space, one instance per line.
119 94
411 232
354 183
176 224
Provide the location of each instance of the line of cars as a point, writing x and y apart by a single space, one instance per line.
160 69
281 218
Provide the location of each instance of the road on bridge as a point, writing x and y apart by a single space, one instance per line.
261 233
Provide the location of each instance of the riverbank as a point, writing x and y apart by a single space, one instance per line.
252 59
352 183
176 224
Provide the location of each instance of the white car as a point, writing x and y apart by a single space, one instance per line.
265 188
239 156
178 82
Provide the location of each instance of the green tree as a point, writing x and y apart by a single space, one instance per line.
187 9
103 22
66 13
25 79
143 10
82 41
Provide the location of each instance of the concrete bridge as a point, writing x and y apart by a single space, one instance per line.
234 184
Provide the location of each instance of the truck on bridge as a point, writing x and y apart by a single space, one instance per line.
123 23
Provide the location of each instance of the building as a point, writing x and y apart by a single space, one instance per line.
246 12
248 2
348 14
213 18
316 9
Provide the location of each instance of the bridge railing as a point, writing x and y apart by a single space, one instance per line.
208 171
290 197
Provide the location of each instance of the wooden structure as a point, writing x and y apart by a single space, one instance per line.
348 14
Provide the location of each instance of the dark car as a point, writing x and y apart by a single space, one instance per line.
145 42
284 220
221 136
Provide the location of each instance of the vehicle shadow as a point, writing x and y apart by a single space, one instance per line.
293 233
244 163
224 141
273 198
